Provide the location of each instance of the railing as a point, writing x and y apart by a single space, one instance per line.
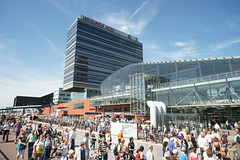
198 79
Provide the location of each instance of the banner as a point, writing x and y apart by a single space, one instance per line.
128 129
115 128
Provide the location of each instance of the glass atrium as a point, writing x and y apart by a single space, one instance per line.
186 86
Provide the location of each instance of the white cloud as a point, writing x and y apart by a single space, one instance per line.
234 21
182 44
225 44
121 22
4 43
179 50
138 10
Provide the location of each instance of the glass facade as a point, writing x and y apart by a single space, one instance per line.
206 82
94 51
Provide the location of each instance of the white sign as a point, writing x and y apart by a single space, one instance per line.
128 129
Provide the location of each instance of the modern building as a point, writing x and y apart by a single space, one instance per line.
207 87
76 108
86 94
94 51
45 100
59 96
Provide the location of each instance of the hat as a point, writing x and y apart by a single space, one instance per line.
82 143
175 151
71 151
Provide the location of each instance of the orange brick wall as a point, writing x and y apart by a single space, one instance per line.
71 111
46 110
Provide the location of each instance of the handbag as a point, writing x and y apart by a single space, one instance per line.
58 152
39 149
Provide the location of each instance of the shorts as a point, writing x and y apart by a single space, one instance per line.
20 152
17 133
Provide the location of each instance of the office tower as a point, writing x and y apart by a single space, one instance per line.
94 51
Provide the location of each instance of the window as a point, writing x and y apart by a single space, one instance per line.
78 106
117 109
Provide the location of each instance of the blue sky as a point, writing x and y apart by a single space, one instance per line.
33 35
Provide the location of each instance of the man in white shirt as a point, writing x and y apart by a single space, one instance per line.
194 132
149 153
72 137
217 127
202 143
6 128
80 153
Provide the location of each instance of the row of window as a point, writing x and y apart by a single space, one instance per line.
110 43
108 35
110 50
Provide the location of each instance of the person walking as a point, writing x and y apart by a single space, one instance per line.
123 155
102 150
183 155
171 146
65 148
140 155
149 153
193 155
202 143
72 137
131 148
21 146
17 127
39 130
120 136
80 153
38 148
6 128
86 141
47 147
32 137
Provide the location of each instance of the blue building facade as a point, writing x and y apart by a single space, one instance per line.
94 51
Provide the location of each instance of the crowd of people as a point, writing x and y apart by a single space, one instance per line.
182 144
43 141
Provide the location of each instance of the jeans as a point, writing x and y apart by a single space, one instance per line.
5 133
101 157
73 144
46 152
30 149
131 156
87 153
201 151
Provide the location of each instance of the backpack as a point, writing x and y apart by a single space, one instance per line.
115 150
238 139
138 157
